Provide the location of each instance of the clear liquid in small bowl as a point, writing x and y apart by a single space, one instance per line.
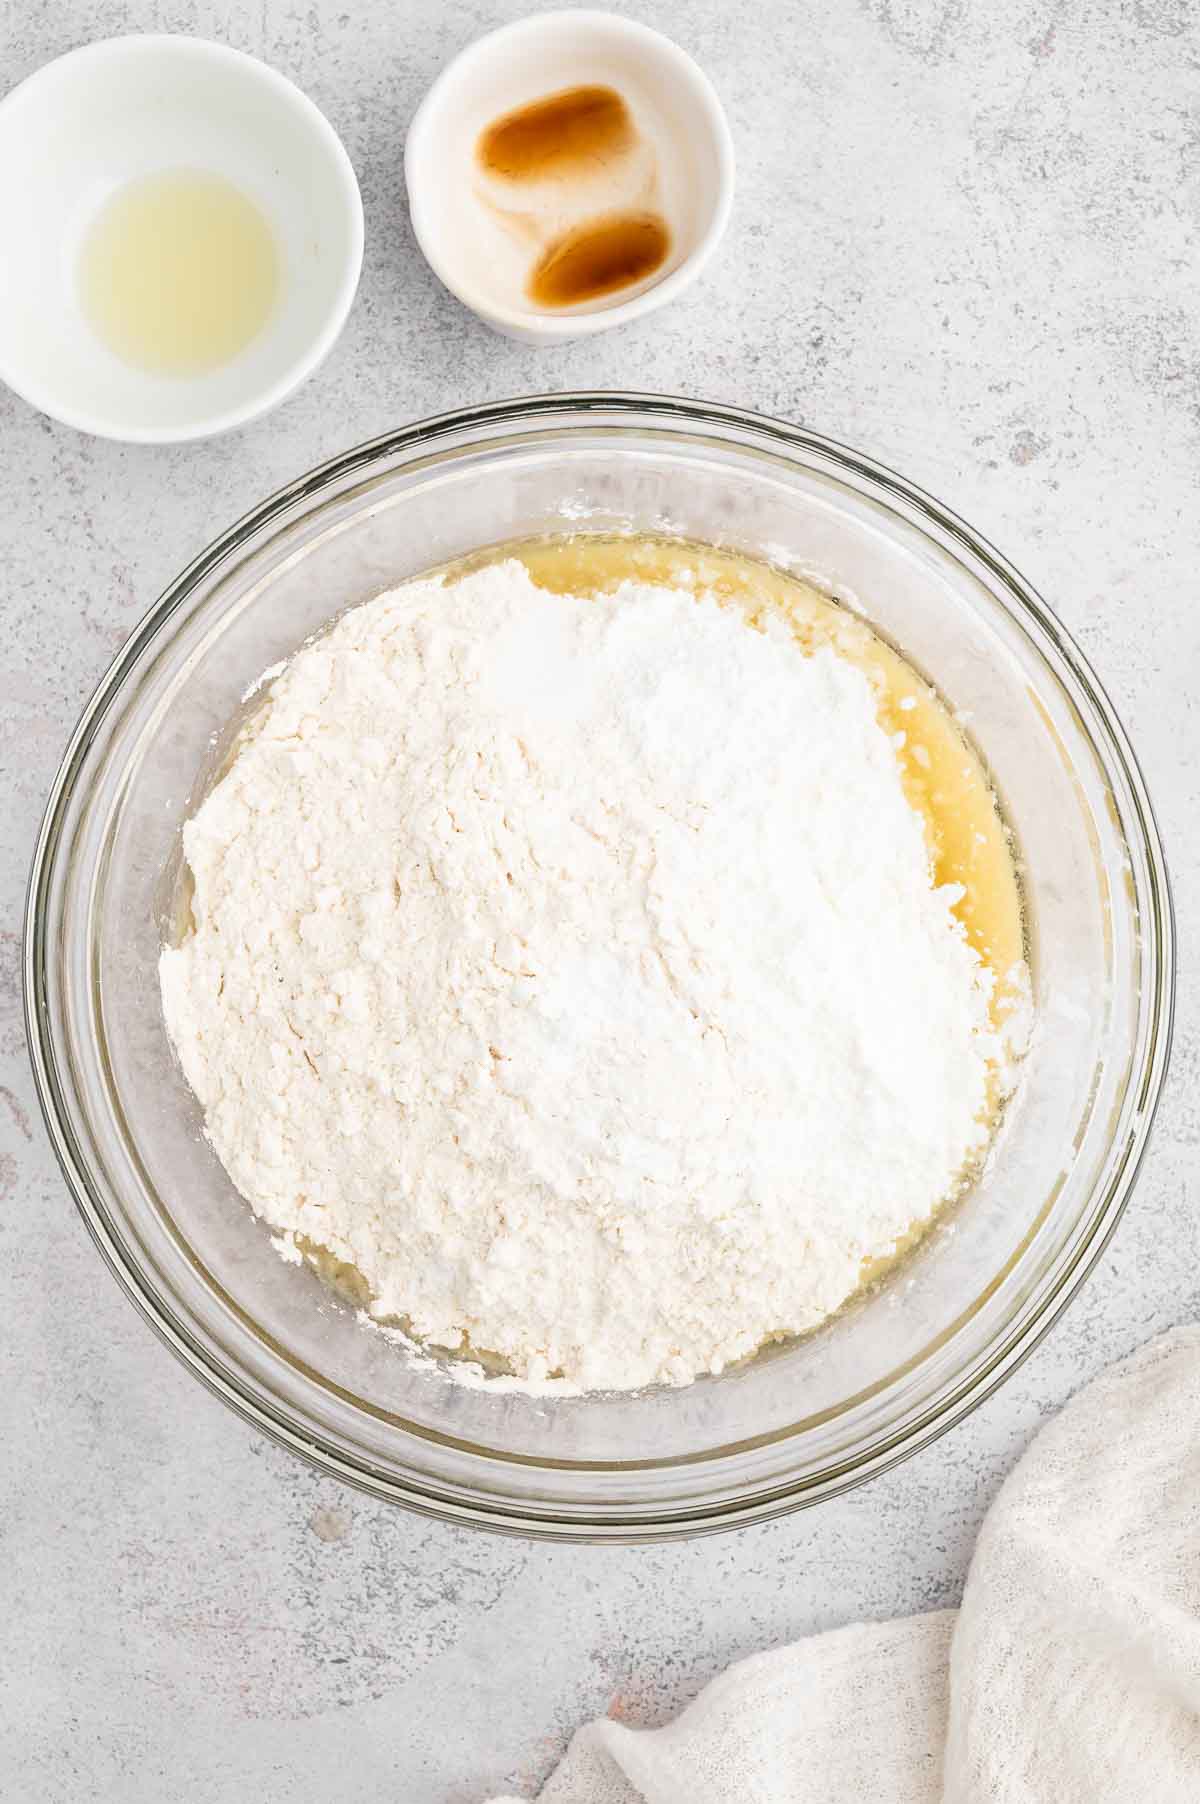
178 273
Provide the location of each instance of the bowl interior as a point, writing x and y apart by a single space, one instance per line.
83 127
802 1418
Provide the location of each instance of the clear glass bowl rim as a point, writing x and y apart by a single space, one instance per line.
1150 1056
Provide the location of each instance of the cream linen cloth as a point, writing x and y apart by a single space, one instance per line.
1071 1674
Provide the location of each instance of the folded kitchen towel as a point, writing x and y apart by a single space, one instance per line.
1071 1674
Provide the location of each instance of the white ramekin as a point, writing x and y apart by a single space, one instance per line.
112 112
521 62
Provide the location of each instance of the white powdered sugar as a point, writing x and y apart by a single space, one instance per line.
574 969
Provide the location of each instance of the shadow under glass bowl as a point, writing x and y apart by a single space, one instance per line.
804 1420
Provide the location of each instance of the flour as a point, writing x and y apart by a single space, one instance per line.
573 968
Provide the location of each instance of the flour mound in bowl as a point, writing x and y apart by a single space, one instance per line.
574 969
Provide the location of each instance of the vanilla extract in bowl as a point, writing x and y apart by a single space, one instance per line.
578 184
562 134
599 258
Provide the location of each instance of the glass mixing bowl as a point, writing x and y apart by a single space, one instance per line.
804 1420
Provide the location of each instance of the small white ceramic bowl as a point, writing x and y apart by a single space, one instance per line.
527 61
111 112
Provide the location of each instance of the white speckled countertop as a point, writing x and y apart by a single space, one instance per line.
965 239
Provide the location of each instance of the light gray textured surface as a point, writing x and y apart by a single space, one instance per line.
965 238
